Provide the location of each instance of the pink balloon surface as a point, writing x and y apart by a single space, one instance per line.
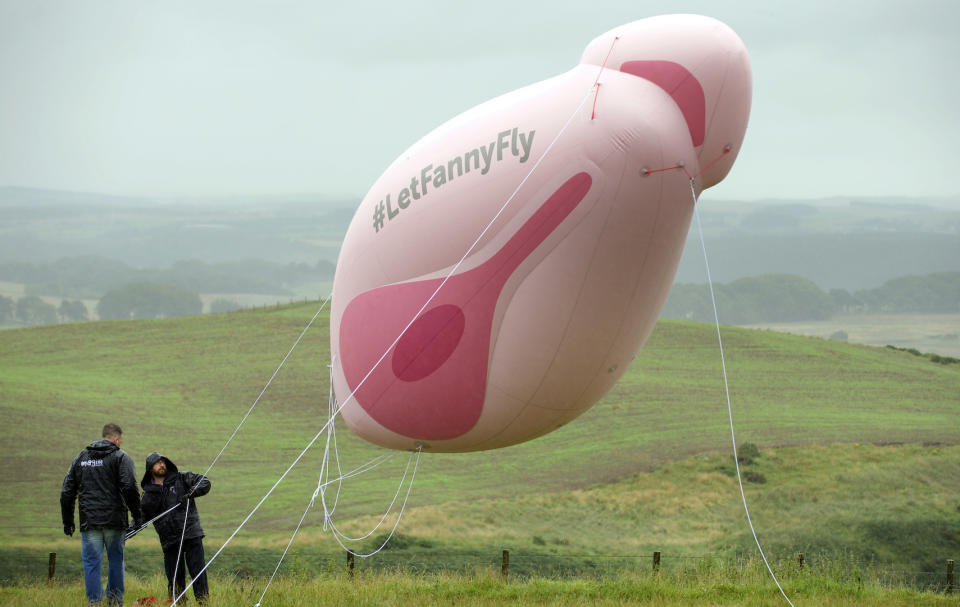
500 276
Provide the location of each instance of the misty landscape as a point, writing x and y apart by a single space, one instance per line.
811 267
570 414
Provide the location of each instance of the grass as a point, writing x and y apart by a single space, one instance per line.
743 584
646 469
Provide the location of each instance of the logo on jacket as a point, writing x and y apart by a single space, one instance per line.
91 463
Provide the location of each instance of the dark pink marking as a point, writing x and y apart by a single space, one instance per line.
435 384
428 343
680 84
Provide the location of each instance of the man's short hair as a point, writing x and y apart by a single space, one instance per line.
111 430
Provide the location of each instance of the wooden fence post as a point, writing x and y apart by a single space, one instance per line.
505 565
349 563
949 576
52 566
656 561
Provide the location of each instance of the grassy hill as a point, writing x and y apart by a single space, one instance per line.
648 468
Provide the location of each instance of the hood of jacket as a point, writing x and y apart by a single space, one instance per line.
102 448
152 459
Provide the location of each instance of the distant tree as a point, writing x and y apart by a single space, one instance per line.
927 294
782 298
6 309
78 277
843 301
221 306
768 298
73 311
31 310
148 300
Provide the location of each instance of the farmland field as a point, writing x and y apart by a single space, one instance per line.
857 448
935 333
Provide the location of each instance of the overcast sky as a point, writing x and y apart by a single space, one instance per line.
235 97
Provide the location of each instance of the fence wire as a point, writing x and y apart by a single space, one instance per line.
25 565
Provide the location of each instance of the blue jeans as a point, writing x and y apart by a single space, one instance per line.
92 544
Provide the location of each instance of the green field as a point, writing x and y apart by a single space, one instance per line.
858 448
744 585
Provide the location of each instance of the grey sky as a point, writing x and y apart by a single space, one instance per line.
234 97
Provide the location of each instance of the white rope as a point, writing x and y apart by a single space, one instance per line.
368 466
403 507
237 429
282 556
327 515
726 388
260 503
364 468
144 525
358 471
176 567
270 381
389 348
325 481
331 435
229 440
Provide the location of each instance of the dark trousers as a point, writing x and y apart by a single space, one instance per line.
191 558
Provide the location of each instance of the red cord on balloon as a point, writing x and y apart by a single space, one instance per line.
726 150
596 83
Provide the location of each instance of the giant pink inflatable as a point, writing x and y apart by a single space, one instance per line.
502 274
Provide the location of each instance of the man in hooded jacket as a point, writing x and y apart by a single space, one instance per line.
164 487
103 478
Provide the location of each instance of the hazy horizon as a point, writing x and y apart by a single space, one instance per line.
706 199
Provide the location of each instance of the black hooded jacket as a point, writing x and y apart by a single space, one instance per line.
158 498
103 477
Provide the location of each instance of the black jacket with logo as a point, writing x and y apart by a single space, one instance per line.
158 498
103 478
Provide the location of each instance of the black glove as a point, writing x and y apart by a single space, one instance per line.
185 501
68 529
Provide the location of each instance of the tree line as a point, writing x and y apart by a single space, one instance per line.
767 298
135 301
90 277
790 298
32 310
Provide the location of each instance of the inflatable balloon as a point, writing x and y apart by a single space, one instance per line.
501 275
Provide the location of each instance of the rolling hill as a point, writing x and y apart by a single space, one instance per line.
652 456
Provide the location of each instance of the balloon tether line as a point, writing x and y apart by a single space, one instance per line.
257 400
726 386
237 429
392 345
324 481
183 533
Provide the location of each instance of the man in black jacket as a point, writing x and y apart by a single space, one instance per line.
163 488
103 477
